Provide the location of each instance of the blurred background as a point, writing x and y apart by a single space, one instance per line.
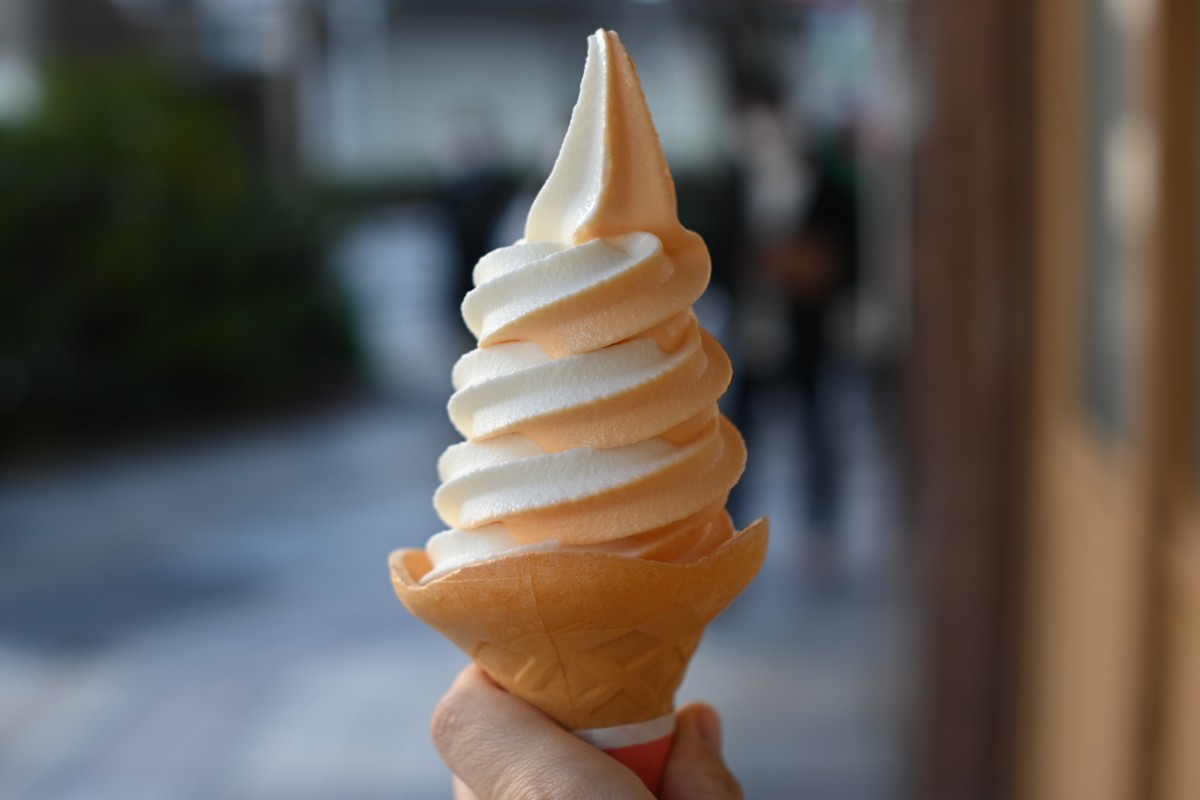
955 261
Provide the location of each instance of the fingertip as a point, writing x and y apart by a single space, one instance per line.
705 720
695 767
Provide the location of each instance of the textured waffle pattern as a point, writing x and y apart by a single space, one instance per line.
594 640
595 678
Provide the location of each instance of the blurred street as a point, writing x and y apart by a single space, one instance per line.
212 617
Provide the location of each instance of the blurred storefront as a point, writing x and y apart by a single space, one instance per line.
1055 394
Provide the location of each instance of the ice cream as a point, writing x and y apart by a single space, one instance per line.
586 506
590 406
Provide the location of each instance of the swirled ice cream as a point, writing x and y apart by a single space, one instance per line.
589 545
589 408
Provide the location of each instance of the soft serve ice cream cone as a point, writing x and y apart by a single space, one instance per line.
589 544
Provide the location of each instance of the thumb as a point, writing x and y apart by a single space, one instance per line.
695 769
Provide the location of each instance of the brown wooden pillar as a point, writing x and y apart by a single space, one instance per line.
967 378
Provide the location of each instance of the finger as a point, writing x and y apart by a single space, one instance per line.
503 748
462 791
695 769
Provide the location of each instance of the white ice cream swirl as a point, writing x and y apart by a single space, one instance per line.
590 406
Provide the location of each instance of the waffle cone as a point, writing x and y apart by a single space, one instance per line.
594 640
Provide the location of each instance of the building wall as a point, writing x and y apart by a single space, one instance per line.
398 101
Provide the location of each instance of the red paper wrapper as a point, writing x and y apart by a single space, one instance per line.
641 746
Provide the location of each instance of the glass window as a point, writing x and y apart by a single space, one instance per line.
1105 292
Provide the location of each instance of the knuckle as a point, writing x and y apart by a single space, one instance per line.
521 782
725 786
708 781
525 780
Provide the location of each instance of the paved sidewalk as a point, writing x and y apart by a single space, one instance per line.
215 621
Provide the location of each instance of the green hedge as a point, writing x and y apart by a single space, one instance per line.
149 271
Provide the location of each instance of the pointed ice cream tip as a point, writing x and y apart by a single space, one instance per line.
611 176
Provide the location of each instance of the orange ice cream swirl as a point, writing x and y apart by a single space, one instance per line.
589 408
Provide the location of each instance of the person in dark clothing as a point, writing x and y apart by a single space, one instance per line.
819 267
801 257
475 197
474 202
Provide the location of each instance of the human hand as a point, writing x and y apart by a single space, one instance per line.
502 748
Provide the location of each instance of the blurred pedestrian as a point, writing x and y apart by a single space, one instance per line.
476 193
801 256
